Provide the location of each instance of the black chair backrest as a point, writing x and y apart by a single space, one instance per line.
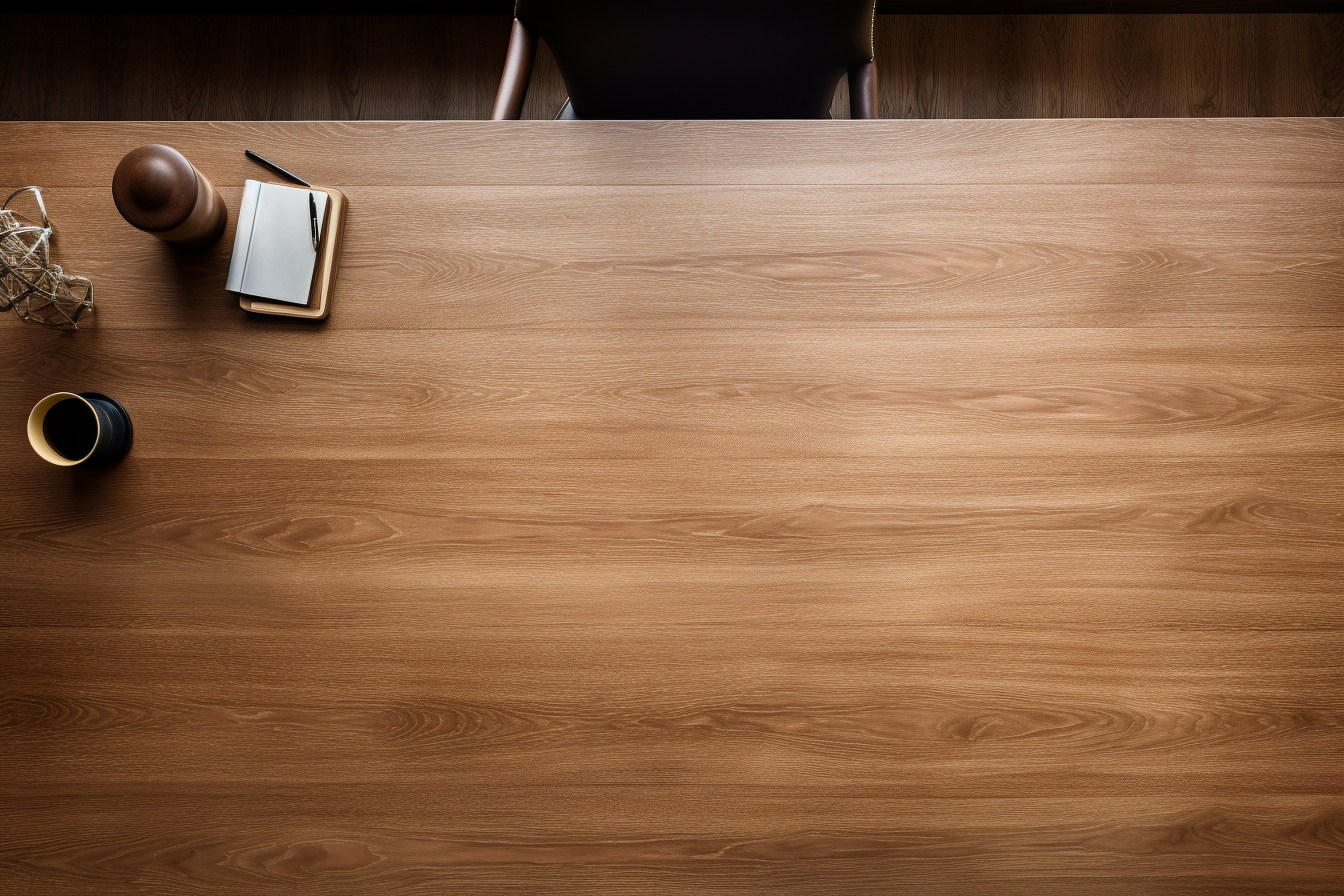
674 59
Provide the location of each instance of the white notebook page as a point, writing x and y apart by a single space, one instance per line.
273 255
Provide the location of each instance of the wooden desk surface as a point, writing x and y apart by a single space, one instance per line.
860 507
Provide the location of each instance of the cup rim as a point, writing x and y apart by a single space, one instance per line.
39 441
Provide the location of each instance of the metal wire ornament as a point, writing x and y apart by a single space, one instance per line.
35 288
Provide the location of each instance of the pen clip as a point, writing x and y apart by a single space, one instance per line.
312 212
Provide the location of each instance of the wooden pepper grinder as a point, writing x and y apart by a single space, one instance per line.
157 190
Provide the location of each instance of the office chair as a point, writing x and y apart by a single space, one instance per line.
682 59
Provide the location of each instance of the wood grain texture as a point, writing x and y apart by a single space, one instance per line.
1109 66
920 507
1055 63
735 257
208 67
700 153
678 394
688 839
904 711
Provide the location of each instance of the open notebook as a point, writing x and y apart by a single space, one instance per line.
273 253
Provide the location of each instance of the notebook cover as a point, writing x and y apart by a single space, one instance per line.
274 257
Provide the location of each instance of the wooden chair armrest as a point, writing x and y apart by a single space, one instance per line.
517 73
863 91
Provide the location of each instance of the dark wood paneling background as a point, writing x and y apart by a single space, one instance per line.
58 67
1138 66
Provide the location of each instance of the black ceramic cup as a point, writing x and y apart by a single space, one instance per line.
85 430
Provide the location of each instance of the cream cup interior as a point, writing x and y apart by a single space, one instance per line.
39 441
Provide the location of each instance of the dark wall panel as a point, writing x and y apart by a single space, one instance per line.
446 67
1083 66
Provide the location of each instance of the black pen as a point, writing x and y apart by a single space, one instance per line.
276 168
312 211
